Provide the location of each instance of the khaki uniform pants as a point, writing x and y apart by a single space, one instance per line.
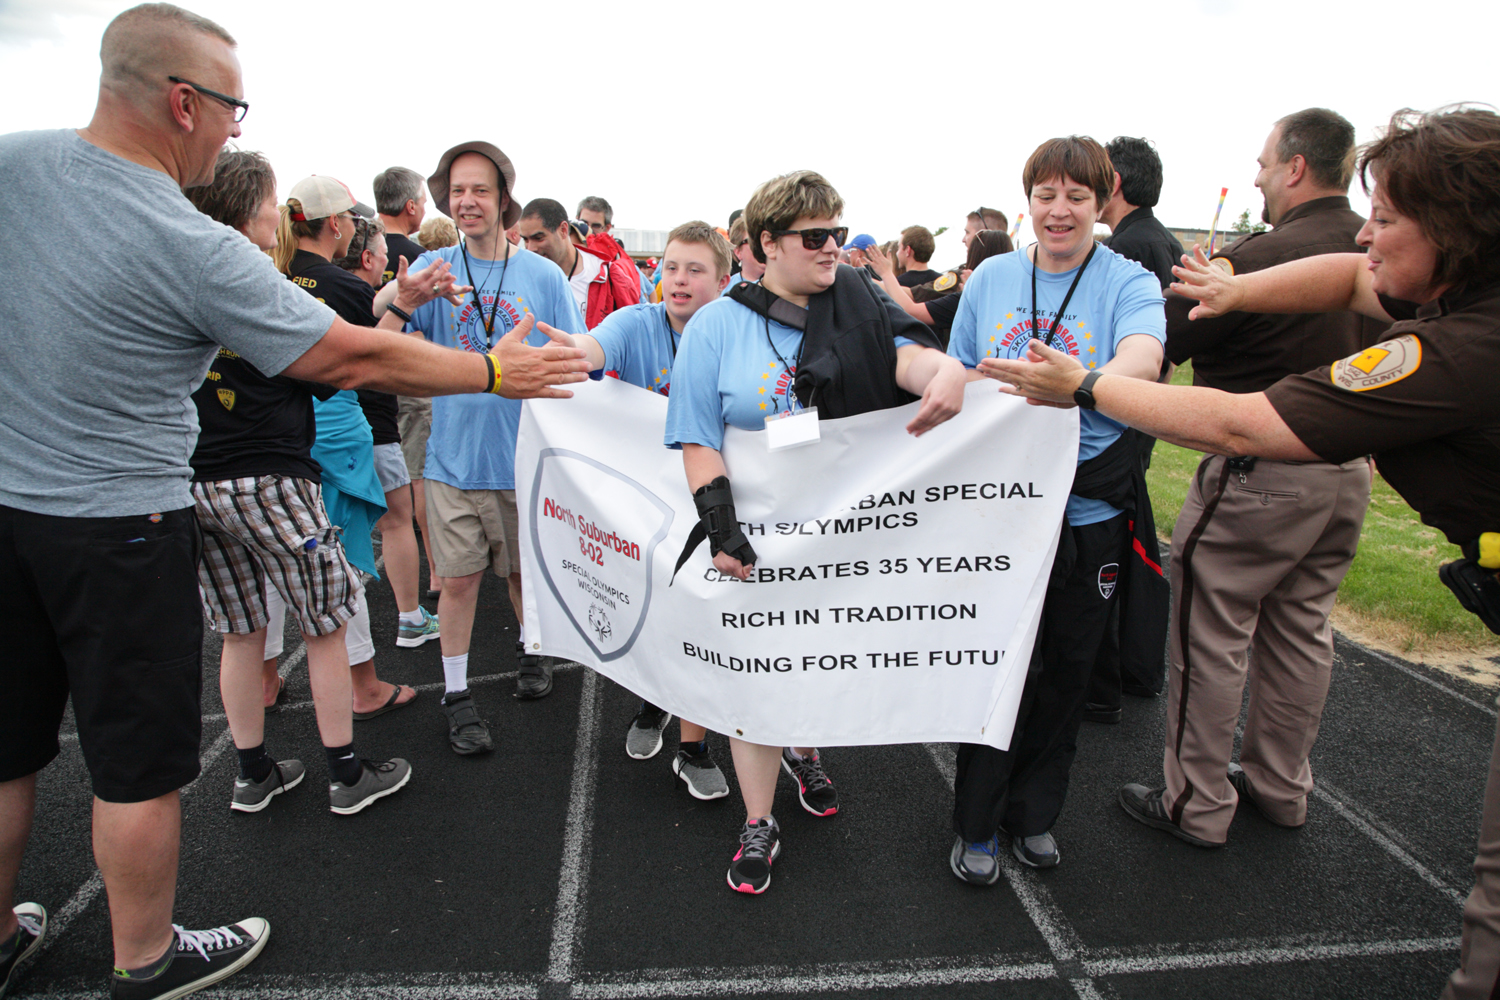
1256 566
1478 975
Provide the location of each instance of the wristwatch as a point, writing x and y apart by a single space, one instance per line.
1084 394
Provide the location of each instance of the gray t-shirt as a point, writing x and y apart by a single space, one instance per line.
118 294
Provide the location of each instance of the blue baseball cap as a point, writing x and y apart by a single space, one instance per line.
863 241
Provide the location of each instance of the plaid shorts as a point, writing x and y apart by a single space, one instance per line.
271 530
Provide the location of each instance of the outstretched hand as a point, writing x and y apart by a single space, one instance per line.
1216 288
436 280
528 372
1046 377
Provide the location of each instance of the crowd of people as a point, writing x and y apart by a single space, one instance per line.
291 377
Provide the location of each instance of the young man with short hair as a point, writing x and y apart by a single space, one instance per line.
915 250
546 230
471 455
750 269
638 345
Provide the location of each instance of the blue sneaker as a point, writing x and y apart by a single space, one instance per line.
411 636
977 863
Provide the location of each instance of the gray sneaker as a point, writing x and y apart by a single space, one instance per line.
1039 851
643 739
253 796
977 863
377 779
702 776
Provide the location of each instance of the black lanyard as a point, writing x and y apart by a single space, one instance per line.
791 370
1066 298
671 341
489 324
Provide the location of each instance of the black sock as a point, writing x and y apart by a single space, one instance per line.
10 946
255 763
344 767
697 749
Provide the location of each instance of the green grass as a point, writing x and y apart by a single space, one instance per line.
1392 590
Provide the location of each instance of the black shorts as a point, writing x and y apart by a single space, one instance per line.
109 612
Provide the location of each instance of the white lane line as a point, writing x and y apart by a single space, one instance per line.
90 889
1268 955
578 836
813 982
1325 793
1062 940
1489 710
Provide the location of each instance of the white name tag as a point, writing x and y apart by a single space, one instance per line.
792 430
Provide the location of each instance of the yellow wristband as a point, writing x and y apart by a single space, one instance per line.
495 372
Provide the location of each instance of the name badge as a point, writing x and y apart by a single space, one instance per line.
792 430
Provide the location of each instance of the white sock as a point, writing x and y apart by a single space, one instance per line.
412 617
456 672
792 753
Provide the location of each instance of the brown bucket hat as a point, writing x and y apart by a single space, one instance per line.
438 182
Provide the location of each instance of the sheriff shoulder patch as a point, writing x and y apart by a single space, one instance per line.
1224 264
945 281
1375 367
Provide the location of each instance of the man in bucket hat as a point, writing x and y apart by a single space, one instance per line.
470 470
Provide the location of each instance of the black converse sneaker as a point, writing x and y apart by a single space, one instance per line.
28 938
198 959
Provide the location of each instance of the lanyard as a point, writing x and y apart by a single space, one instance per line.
1066 298
489 324
671 341
790 369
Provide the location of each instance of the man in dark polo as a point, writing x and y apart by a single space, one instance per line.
1261 546
1135 230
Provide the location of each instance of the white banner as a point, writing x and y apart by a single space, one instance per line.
899 581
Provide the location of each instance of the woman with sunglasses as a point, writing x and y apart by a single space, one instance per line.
737 365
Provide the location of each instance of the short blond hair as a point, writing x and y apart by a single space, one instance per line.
783 200
436 233
737 231
701 233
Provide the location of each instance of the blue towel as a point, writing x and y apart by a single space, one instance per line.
345 449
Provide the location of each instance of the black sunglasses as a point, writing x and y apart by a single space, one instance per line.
241 108
813 239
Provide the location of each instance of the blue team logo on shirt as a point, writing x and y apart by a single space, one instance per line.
469 325
1013 334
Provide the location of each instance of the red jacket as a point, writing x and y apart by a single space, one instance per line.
618 283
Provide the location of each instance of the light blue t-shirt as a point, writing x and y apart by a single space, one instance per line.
639 346
473 441
1117 298
734 367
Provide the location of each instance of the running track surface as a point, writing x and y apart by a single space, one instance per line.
559 867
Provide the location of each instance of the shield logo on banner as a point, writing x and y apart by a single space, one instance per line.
595 531
226 396
1109 575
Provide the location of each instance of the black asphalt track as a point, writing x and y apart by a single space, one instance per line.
557 866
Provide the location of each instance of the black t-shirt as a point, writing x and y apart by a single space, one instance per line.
397 246
354 300
911 279
251 425
942 310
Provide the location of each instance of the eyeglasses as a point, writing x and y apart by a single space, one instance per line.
813 239
241 108
597 227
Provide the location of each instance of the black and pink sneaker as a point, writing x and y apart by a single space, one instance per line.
760 843
814 790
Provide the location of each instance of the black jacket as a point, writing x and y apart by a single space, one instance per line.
1141 237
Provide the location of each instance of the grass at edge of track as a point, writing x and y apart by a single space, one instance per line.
1392 588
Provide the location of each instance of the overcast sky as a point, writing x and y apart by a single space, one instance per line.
916 113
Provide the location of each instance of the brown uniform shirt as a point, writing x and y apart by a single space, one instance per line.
1425 400
1247 352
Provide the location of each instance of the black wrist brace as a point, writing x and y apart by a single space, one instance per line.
715 505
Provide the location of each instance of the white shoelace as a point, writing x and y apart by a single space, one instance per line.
216 938
30 924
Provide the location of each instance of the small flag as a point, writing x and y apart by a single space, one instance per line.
1213 231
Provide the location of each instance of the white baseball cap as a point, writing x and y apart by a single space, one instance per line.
320 198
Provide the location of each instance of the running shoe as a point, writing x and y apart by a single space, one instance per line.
411 636
28 938
814 790
643 739
977 862
199 959
467 732
760 844
377 779
702 776
253 796
1038 852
